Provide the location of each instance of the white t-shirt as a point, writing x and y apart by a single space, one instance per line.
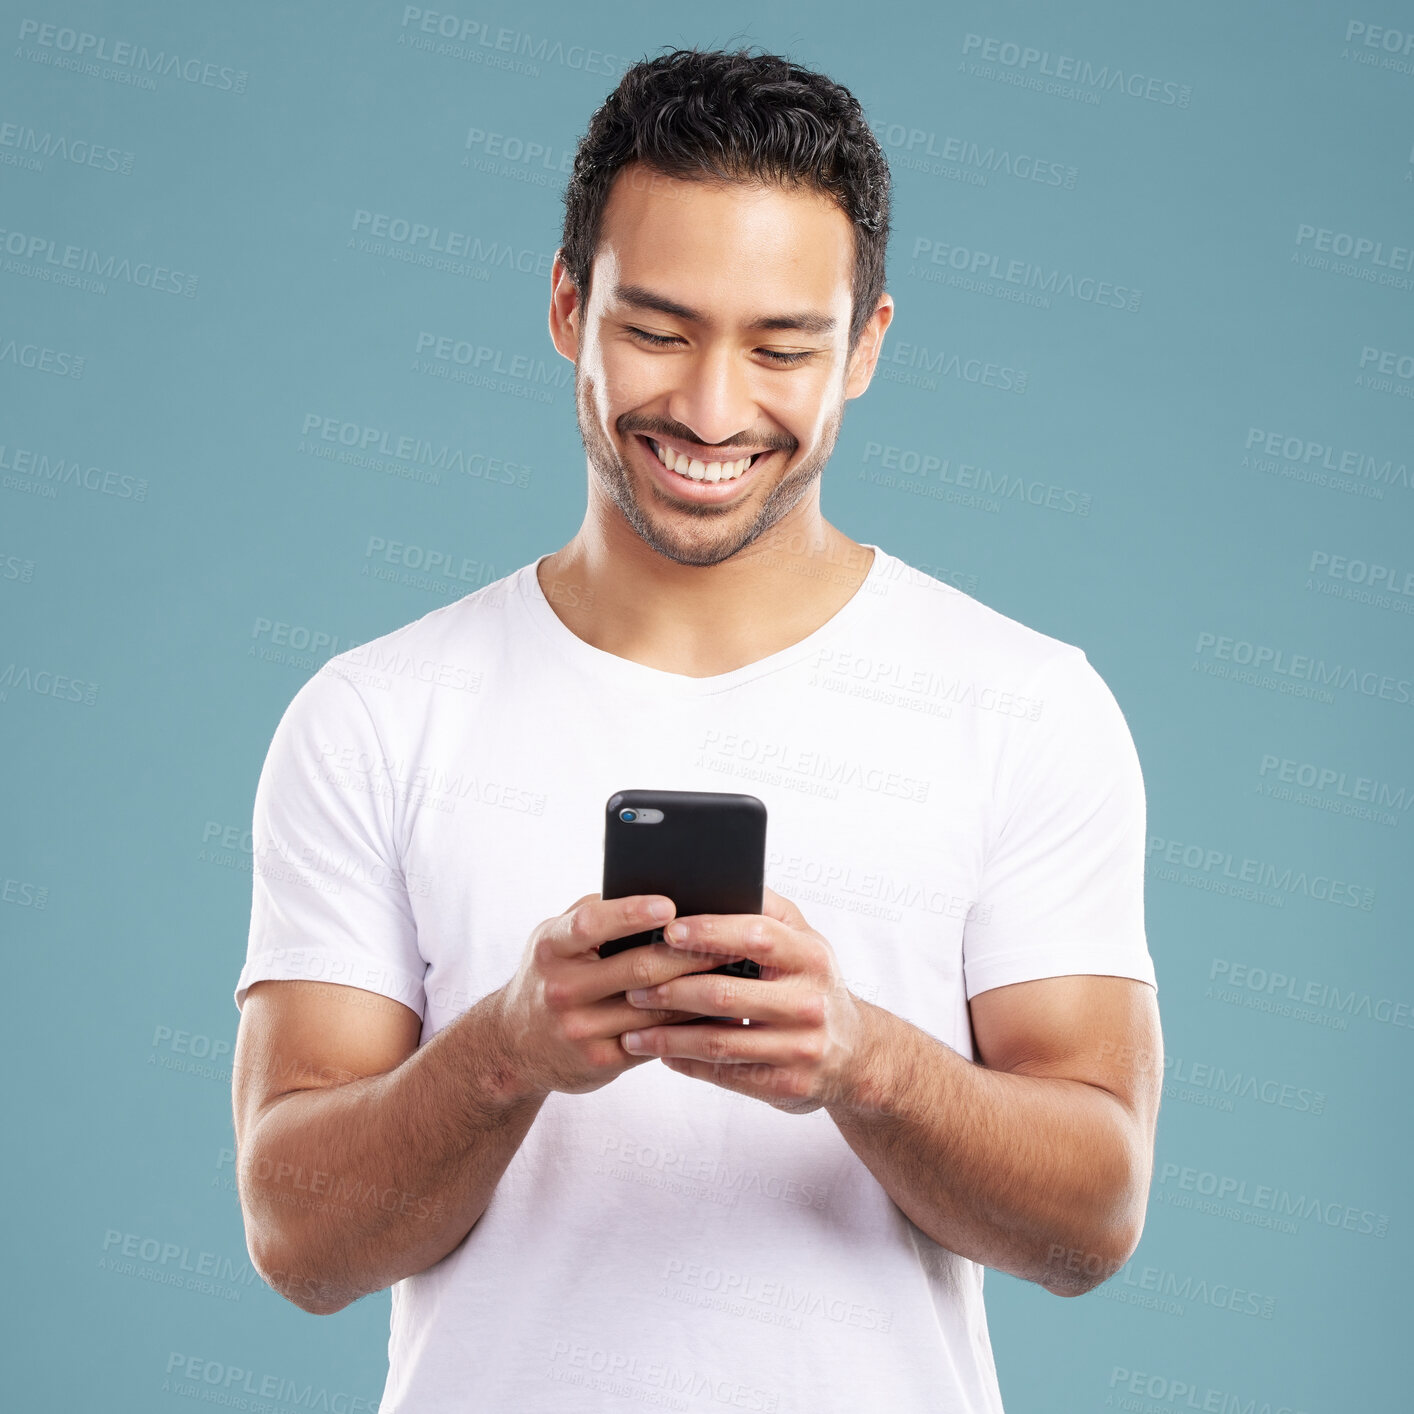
954 802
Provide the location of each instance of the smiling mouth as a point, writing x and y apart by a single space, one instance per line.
691 469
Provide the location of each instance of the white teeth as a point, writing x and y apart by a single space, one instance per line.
697 470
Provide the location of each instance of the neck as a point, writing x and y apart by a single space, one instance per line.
618 594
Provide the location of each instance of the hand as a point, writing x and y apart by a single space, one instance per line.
809 1042
564 1010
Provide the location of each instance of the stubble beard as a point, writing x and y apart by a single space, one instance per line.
722 531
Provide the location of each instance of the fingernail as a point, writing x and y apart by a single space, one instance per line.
633 1040
676 931
663 908
638 996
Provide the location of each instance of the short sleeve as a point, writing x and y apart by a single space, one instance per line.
329 900
1062 886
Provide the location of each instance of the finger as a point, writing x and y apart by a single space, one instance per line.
720 994
593 920
777 906
717 934
622 1016
764 940
641 967
720 1044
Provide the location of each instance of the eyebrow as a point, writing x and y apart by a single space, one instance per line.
641 297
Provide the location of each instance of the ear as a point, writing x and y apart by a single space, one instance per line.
565 310
867 350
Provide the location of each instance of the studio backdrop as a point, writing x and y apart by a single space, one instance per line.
275 379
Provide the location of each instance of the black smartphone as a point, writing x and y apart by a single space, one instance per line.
705 850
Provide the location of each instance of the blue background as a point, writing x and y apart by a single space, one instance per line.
186 534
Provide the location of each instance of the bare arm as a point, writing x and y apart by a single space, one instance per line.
376 1158
1036 1161
362 1157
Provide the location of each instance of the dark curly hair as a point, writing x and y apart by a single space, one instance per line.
731 116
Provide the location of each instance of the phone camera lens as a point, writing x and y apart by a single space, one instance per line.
628 815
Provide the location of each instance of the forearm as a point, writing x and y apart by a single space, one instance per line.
1039 1177
350 1187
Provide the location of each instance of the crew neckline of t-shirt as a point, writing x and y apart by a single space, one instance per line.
605 664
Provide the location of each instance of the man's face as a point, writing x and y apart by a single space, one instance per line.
716 328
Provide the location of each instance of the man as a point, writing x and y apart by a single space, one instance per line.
440 1085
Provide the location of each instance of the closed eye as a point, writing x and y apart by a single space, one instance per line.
786 360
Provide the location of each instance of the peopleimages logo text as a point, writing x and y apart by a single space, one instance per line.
1025 58
1301 665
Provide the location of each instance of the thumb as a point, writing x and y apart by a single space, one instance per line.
776 906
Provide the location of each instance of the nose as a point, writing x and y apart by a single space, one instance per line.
714 397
